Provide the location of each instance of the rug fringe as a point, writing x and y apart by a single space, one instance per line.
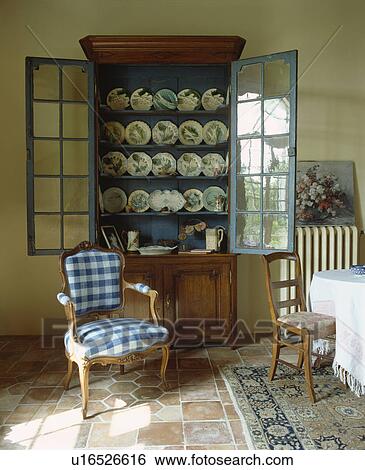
346 378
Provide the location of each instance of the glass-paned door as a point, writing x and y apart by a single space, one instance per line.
60 154
263 143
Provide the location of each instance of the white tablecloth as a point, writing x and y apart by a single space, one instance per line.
342 294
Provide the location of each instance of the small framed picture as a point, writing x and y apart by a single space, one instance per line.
111 237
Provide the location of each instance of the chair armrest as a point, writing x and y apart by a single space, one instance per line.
63 298
150 293
139 287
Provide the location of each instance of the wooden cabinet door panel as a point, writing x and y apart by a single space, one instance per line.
198 296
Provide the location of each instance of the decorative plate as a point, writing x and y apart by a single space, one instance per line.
156 250
139 164
114 164
118 98
114 200
215 132
213 99
138 201
188 100
165 132
213 164
138 133
194 200
114 132
358 269
189 164
190 133
142 99
166 200
165 99
163 163
214 199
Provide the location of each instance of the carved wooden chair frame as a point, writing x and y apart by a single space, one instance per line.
304 346
84 364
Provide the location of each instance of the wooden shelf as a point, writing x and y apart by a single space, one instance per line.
162 178
201 147
163 214
163 112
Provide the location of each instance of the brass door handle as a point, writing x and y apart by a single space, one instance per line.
168 300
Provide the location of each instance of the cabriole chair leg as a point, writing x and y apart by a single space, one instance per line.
84 382
164 361
68 375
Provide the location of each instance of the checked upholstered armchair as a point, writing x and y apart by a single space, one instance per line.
93 284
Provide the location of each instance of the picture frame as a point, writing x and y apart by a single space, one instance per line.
111 237
325 193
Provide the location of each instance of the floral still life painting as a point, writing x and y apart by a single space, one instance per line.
325 193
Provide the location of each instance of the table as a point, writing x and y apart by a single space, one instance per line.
342 294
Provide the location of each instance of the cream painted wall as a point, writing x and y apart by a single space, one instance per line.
330 121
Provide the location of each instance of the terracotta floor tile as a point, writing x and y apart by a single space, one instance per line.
68 402
225 397
221 386
170 413
147 393
127 377
198 377
209 432
202 410
161 434
98 393
105 435
22 414
3 416
192 352
119 400
19 388
186 363
148 380
212 447
28 366
198 392
9 402
169 399
237 431
49 378
231 412
39 395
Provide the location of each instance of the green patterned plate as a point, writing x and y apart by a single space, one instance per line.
188 100
114 132
165 99
139 164
114 164
165 132
214 199
215 132
190 133
142 99
138 201
118 98
138 133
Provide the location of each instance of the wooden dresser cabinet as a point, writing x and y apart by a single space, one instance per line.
197 294
67 138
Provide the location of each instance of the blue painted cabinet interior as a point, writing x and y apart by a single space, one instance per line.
60 123
156 227
263 146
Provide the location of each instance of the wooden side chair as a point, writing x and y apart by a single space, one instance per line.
93 283
303 326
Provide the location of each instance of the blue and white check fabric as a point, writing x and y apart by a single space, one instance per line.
116 337
94 281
